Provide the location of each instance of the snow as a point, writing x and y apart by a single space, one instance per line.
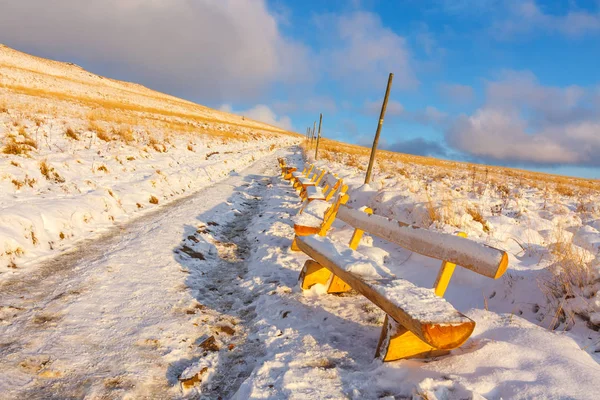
322 346
313 214
130 324
348 259
197 296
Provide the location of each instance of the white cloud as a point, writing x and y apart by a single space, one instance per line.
361 51
312 104
498 135
526 122
526 16
262 113
208 49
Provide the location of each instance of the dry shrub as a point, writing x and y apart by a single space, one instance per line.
103 135
15 148
102 168
564 190
18 184
50 173
100 132
125 134
477 217
71 134
157 146
432 211
19 148
571 274
153 200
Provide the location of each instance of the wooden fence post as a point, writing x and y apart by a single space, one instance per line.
379 125
318 137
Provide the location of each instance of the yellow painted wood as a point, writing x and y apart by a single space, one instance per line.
300 230
309 170
397 343
446 336
331 214
338 286
313 273
445 274
358 233
483 259
288 173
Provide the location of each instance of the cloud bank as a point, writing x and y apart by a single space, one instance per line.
528 123
213 50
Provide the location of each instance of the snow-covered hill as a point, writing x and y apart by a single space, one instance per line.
80 152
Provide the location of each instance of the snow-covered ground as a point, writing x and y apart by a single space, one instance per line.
80 153
199 299
145 253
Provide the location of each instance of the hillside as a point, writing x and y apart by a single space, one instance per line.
81 152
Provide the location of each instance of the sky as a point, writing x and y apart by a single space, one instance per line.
501 82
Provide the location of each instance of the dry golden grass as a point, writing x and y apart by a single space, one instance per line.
475 213
19 148
358 156
117 111
70 132
50 173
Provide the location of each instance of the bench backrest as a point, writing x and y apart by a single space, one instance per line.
477 257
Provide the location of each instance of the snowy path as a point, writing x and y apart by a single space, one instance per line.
125 314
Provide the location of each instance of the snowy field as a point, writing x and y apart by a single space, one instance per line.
145 254
207 287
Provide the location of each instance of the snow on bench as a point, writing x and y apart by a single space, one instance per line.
419 322
430 318
329 184
480 258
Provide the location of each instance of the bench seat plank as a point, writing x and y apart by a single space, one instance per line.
431 318
313 214
314 193
305 181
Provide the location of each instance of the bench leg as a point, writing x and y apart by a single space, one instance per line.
313 273
397 343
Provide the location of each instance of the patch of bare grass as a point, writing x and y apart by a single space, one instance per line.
50 173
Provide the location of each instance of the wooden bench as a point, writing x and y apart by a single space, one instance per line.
312 179
317 216
294 175
325 190
419 323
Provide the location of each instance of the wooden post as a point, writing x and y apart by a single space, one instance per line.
318 137
376 140
313 130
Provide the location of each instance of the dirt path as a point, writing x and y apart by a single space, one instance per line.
126 313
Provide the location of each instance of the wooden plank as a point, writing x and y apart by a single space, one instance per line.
429 317
397 343
477 257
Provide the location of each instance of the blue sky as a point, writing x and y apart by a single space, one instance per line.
509 82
